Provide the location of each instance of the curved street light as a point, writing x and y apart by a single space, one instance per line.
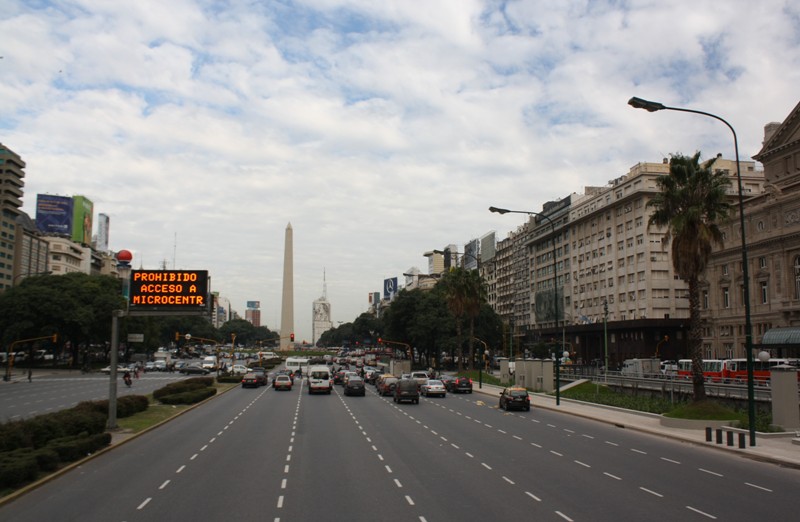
651 106
501 211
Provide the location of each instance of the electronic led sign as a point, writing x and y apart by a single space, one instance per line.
163 290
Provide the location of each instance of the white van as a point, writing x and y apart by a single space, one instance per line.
297 363
319 380
210 362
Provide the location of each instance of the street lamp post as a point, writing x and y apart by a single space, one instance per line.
124 270
555 281
605 337
652 106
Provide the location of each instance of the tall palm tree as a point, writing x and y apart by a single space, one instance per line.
691 202
475 297
464 292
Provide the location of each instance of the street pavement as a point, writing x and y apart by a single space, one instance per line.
778 448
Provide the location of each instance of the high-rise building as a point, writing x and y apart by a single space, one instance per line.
11 191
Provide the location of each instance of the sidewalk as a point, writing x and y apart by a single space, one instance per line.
782 448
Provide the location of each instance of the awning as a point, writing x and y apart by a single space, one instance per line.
784 336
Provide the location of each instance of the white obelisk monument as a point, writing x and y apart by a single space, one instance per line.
287 303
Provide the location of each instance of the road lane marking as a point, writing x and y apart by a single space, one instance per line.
638 451
180 469
162 486
485 465
659 495
280 501
565 517
534 497
701 512
143 504
408 499
758 487
612 476
508 480
397 483
582 464
283 484
710 472
670 460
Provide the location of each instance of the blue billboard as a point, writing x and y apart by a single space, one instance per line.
54 214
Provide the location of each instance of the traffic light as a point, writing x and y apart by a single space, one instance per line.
380 341
291 337
177 336
55 338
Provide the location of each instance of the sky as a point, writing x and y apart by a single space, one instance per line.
379 130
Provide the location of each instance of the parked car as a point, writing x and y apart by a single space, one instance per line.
249 380
240 369
149 366
355 386
462 385
282 382
515 398
406 390
386 386
193 369
159 366
433 387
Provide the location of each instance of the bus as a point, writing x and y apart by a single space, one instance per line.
712 369
734 370
296 363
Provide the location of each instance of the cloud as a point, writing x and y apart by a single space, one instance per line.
380 130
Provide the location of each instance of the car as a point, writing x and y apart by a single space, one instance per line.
355 386
420 377
261 375
282 382
280 372
462 385
448 381
515 397
406 390
250 380
159 366
386 386
319 380
348 375
149 366
433 387
120 369
338 377
193 369
239 369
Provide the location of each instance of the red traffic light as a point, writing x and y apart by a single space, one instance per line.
291 337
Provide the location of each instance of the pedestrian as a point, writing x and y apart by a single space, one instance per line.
30 375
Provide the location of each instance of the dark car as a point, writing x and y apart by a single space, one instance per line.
515 398
250 380
260 374
355 386
406 390
386 386
462 385
448 381
338 377
194 369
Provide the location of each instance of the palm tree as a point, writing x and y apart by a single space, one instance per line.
691 202
464 292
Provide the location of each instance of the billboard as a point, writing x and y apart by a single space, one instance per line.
253 305
389 288
471 255
54 214
169 290
82 212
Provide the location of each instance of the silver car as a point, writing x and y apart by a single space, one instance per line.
433 387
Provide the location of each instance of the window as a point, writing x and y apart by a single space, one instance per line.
724 269
797 277
704 300
726 298
764 292
762 262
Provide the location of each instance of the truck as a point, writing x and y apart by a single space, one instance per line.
649 367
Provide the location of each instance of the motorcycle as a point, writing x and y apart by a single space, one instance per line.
127 380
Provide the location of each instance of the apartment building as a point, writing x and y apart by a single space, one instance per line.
12 172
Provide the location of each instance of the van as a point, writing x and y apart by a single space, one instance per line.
406 390
297 363
210 362
319 380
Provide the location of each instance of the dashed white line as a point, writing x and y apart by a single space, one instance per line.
582 464
280 501
710 472
651 492
612 476
556 453
193 457
408 499
701 513
397 483
565 517
180 469
758 487
508 480
612 443
283 484
536 445
143 504
388 469
670 460
162 486
485 465
534 497
517 437
638 451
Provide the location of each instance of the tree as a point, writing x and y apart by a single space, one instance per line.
464 292
691 202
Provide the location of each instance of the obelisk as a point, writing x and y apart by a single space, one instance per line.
287 302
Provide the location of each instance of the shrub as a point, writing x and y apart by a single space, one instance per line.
13 436
17 468
189 397
230 378
183 386
127 405
79 446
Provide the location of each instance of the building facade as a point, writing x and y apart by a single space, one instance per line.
772 238
12 172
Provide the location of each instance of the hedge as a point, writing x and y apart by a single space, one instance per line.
183 386
38 431
127 405
189 397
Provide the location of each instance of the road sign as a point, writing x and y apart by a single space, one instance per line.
135 338
169 290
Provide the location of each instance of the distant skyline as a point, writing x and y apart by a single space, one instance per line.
380 130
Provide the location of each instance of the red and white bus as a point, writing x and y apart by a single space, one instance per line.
734 370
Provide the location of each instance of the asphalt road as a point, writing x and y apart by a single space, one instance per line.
58 391
282 456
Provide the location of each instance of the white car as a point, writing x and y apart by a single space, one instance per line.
239 369
433 387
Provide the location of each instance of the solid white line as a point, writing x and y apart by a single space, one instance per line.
710 472
565 517
612 476
651 492
670 460
701 513
582 464
485 465
180 469
408 499
508 480
534 497
143 504
162 486
758 487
